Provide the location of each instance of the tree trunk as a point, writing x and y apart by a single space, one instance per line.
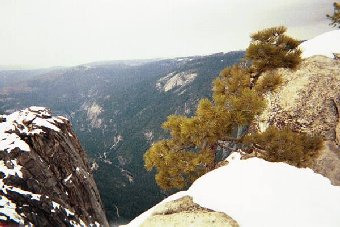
212 149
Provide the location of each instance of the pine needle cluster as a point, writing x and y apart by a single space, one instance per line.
275 145
271 49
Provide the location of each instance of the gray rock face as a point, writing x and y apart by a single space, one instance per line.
45 176
309 101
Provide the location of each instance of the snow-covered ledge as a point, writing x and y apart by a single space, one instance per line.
255 193
326 44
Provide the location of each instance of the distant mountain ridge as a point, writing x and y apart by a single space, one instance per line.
116 111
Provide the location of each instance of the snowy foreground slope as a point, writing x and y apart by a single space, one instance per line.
325 44
255 192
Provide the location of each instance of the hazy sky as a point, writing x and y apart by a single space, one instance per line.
44 33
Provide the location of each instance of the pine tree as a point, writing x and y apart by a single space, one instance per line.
271 49
191 150
335 18
238 97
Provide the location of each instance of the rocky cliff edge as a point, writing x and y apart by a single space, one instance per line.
45 176
309 101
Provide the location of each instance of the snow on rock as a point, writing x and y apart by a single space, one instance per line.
326 44
7 211
14 171
44 170
8 207
29 121
6 188
255 193
26 122
68 178
175 80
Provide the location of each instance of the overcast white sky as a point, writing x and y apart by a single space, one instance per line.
43 33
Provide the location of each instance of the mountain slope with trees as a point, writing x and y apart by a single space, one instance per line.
116 110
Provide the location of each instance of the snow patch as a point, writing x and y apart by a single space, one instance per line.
63 118
11 141
67 178
81 171
68 214
255 193
14 171
326 44
55 206
96 224
7 211
20 191
29 121
7 207
46 123
37 109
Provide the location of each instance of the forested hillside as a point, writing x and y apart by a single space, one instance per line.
116 109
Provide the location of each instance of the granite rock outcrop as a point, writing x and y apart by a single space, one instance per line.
309 101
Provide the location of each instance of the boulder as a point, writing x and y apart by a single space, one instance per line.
184 212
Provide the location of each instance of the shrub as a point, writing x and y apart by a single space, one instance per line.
275 145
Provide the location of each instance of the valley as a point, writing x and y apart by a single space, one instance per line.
116 109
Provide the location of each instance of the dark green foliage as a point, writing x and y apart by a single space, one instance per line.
335 18
271 49
276 145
